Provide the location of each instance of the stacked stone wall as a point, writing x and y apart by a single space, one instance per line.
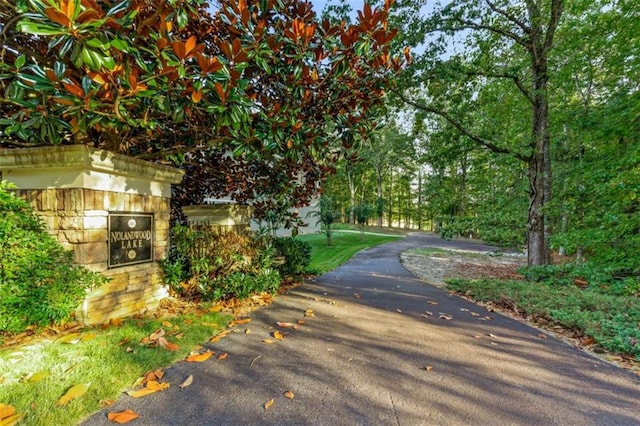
78 217
74 189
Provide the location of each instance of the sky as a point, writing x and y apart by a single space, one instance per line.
318 5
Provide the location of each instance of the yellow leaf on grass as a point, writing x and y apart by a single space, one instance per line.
36 377
199 357
122 416
186 382
289 394
167 324
269 403
71 338
12 420
6 411
277 335
74 392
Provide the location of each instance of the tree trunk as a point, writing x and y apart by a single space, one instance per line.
379 193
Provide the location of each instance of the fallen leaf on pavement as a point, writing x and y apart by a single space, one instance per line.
475 314
356 296
478 336
217 337
277 335
289 394
309 313
399 310
542 335
240 321
286 325
428 367
268 341
493 335
269 403
187 382
152 386
74 392
301 322
222 356
446 317
122 416
199 357
432 302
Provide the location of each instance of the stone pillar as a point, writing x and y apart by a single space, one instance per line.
79 192
231 216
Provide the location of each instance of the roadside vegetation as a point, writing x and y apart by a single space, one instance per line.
601 319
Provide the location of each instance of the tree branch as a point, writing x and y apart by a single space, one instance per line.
470 25
556 13
516 80
455 123
523 26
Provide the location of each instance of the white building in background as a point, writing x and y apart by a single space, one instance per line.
304 213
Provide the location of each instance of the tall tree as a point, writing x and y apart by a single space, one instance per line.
506 44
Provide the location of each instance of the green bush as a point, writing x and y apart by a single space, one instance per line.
296 255
39 284
215 264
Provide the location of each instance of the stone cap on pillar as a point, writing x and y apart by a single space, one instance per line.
80 166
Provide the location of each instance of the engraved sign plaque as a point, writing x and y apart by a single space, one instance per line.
130 238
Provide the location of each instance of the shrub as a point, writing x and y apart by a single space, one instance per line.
215 264
296 255
39 284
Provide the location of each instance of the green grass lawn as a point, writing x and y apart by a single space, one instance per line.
343 246
35 375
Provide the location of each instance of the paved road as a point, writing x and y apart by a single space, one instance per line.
362 361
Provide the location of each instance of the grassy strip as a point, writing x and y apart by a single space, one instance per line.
344 245
33 377
612 321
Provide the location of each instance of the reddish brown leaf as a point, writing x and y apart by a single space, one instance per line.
57 17
122 416
223 356
289 394
199 357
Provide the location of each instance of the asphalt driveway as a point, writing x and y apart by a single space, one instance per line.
380 346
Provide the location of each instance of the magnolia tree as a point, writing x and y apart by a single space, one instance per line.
255 98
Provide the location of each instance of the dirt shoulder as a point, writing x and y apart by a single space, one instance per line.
436 266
